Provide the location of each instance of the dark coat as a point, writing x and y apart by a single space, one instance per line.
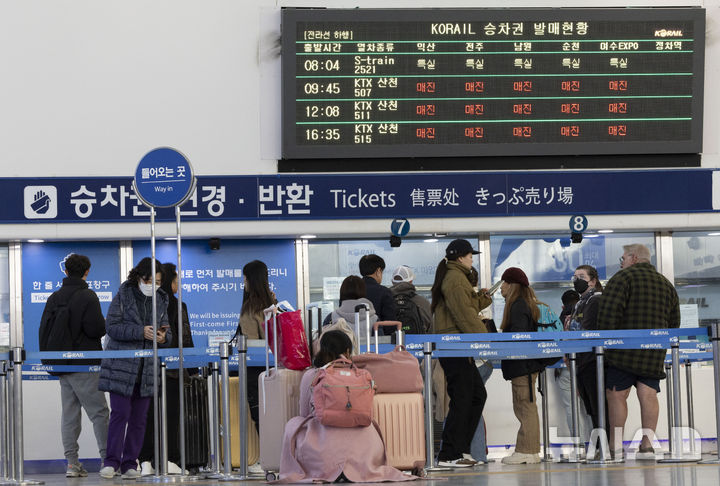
87 324
381 299
520 320
124 325
186 332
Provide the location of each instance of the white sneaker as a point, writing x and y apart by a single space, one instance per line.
173 468
520 458
478 462
131 474
256 469
461 462
108 472
147 469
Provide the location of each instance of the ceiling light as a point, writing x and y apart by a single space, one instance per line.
591 236
605 231
36 240
308 237
714 234
431 240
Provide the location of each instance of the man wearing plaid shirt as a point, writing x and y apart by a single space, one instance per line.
637 297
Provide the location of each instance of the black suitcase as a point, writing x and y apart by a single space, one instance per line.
197 423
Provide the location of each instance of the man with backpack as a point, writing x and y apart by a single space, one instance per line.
73 321
412 309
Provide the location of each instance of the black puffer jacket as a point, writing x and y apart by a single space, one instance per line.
520 320
87 323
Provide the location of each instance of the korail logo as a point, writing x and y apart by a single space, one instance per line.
40 202
451 338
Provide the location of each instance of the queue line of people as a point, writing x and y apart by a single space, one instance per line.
637 297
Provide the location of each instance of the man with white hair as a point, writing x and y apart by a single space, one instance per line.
636 297
412 309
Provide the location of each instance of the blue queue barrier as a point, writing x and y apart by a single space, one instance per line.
487 346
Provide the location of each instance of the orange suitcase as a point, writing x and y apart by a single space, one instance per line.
401 419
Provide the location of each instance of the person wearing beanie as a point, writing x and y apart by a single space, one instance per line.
521 315
456 308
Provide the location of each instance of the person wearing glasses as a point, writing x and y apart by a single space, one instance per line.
636 297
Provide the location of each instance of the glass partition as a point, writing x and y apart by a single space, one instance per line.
550 261
696 263
331 261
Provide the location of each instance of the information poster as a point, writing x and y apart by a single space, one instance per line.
43 270
212 280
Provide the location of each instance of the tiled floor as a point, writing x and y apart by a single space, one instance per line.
630 473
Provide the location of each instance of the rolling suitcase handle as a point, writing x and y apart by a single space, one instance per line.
319 326
378 324
357 324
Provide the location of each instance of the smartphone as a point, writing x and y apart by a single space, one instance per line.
494 288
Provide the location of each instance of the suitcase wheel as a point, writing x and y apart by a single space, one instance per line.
270 476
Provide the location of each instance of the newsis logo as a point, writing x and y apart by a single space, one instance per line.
668 33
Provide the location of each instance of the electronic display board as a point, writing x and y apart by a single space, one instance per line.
487 82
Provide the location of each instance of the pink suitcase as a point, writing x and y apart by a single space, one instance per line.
279 401
401 419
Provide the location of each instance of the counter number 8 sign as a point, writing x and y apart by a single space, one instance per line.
578 223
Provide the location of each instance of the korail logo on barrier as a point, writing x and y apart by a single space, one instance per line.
652 346
485 354
414 346
521 336
480 346
611 342
142 354
40 202
451 338
73 354
590 334
659 332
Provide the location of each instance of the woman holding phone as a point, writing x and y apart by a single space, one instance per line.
129 325
456 308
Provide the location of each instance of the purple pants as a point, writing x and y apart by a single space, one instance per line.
126 430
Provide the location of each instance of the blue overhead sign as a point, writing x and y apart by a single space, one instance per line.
163 178
339 196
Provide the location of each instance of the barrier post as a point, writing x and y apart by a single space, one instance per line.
602 437
429 423
215 414
715 341
676 434
669 402
18 357
4 470
691 411
242 403
547 452
225 378
9 407
163 420
574 408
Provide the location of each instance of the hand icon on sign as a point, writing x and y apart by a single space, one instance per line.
41 203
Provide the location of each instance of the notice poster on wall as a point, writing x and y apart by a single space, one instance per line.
43 270
212 280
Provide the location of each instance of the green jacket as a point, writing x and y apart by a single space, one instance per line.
459 308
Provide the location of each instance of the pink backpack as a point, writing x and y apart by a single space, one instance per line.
342 395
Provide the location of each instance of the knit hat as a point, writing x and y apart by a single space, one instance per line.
458 248
515 275
403 273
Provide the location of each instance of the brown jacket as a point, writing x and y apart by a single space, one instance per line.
251 325
459 308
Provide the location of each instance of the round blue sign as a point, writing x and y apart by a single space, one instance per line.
164 178
400 227
578 223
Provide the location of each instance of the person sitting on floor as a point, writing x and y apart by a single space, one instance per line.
314 452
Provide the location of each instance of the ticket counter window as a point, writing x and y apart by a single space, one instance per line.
696 264
4 297
331 261
550 261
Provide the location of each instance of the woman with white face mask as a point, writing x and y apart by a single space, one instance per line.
129 325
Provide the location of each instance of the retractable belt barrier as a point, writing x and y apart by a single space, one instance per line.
487 346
